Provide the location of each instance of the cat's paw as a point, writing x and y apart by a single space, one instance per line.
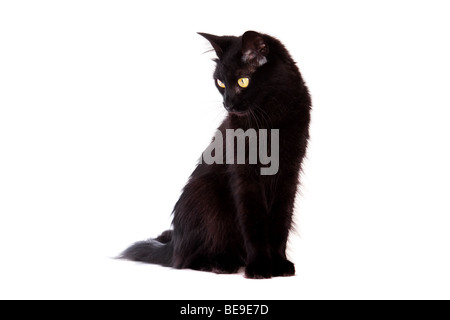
283 268
258 270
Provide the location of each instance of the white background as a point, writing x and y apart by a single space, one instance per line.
105 107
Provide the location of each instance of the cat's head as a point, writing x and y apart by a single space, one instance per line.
245 73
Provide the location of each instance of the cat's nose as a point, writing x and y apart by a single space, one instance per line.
229 101
228 107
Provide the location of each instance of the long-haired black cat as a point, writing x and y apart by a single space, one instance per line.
231 215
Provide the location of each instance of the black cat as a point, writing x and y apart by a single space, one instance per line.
231 215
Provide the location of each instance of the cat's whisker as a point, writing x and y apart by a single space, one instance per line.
265 116
208 51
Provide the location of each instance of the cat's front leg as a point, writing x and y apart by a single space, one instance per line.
280 225
253 218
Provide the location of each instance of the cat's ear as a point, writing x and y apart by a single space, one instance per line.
220 44
254 49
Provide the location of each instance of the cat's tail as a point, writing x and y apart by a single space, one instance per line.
156 251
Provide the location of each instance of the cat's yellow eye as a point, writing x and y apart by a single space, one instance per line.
243 82
220 84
